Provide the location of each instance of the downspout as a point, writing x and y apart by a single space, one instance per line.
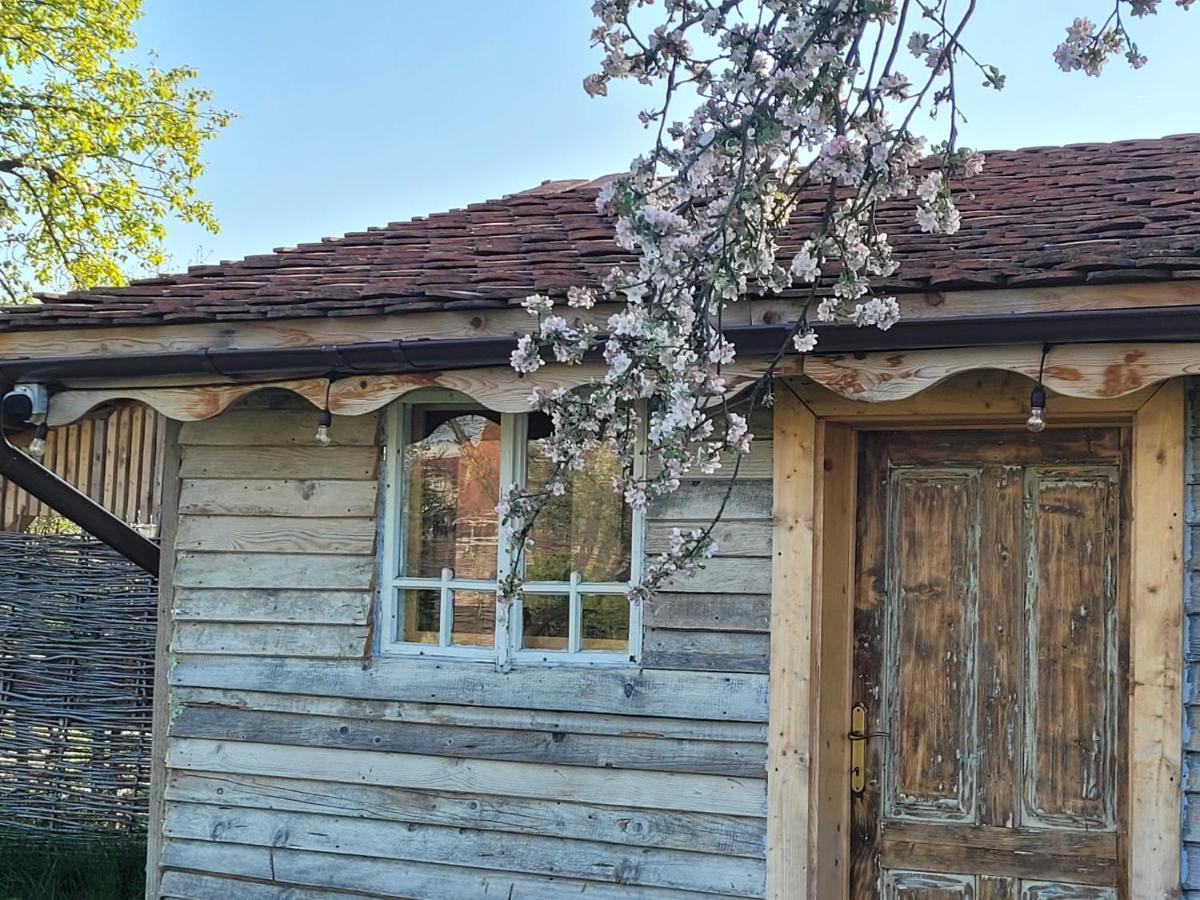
81 509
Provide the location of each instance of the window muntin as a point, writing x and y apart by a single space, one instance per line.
447 464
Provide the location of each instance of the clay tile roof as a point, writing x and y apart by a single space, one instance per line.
1083 214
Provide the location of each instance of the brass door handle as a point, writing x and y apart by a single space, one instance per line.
858 736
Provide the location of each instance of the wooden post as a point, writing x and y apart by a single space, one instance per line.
1156 646
833 649
161 713
789 751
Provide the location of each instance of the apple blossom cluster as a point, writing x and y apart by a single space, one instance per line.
797 102
1089 46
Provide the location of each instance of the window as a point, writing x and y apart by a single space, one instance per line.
448 461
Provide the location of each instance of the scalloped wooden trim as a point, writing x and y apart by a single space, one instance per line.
500 389
184 404
1084 371
1080 371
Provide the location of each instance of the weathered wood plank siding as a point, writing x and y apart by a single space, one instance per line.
299 761
1191 730
717 619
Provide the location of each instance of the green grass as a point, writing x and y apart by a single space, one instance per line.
110 871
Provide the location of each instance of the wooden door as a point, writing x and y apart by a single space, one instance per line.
990 656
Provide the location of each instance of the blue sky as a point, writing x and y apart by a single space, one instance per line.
356 114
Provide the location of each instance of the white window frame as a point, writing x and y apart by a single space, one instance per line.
506 645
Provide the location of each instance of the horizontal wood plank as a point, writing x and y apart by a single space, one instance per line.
732 758
198 886
250 428
691 695
758 463
1076 857
706 651
254 639
626 787
312 461
270 605
277 534
310 498
734 537
388 878
703 833
722 575
477 716
702 498
224 859
709 612
295 571
533 854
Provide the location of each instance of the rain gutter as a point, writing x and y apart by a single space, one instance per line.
1173 323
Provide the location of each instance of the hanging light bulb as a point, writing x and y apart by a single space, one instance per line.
1037 409
324 421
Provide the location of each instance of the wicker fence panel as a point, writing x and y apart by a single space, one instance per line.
76 675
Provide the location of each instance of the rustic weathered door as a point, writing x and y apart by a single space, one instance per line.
989 665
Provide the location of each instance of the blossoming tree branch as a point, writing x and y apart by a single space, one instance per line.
811 101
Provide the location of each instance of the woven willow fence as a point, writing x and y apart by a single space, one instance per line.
76 674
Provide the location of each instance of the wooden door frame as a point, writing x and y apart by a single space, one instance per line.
815 443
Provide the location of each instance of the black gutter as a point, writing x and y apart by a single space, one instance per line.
78 507
1173 323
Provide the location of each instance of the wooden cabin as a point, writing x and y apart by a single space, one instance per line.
937 655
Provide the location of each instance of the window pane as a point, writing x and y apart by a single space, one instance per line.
588 530
422 611
474 618
545 621
452 463
605 622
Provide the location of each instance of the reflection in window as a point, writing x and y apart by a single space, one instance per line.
588 530
453 463
474 622
605 622
546 621
422 615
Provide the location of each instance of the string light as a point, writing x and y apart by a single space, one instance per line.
1037 398
325 420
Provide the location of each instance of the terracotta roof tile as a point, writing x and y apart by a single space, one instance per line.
1083 214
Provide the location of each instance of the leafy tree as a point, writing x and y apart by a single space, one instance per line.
95 152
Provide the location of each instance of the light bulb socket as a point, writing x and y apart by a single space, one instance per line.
1037 397
37 446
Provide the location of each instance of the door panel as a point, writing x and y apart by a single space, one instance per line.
1039 890
1070 649
899 885
930 645
988 657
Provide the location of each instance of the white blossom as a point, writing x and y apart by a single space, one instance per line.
791 114
805 341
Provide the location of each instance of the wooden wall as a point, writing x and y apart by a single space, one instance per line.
1191 731
299 761
115 458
